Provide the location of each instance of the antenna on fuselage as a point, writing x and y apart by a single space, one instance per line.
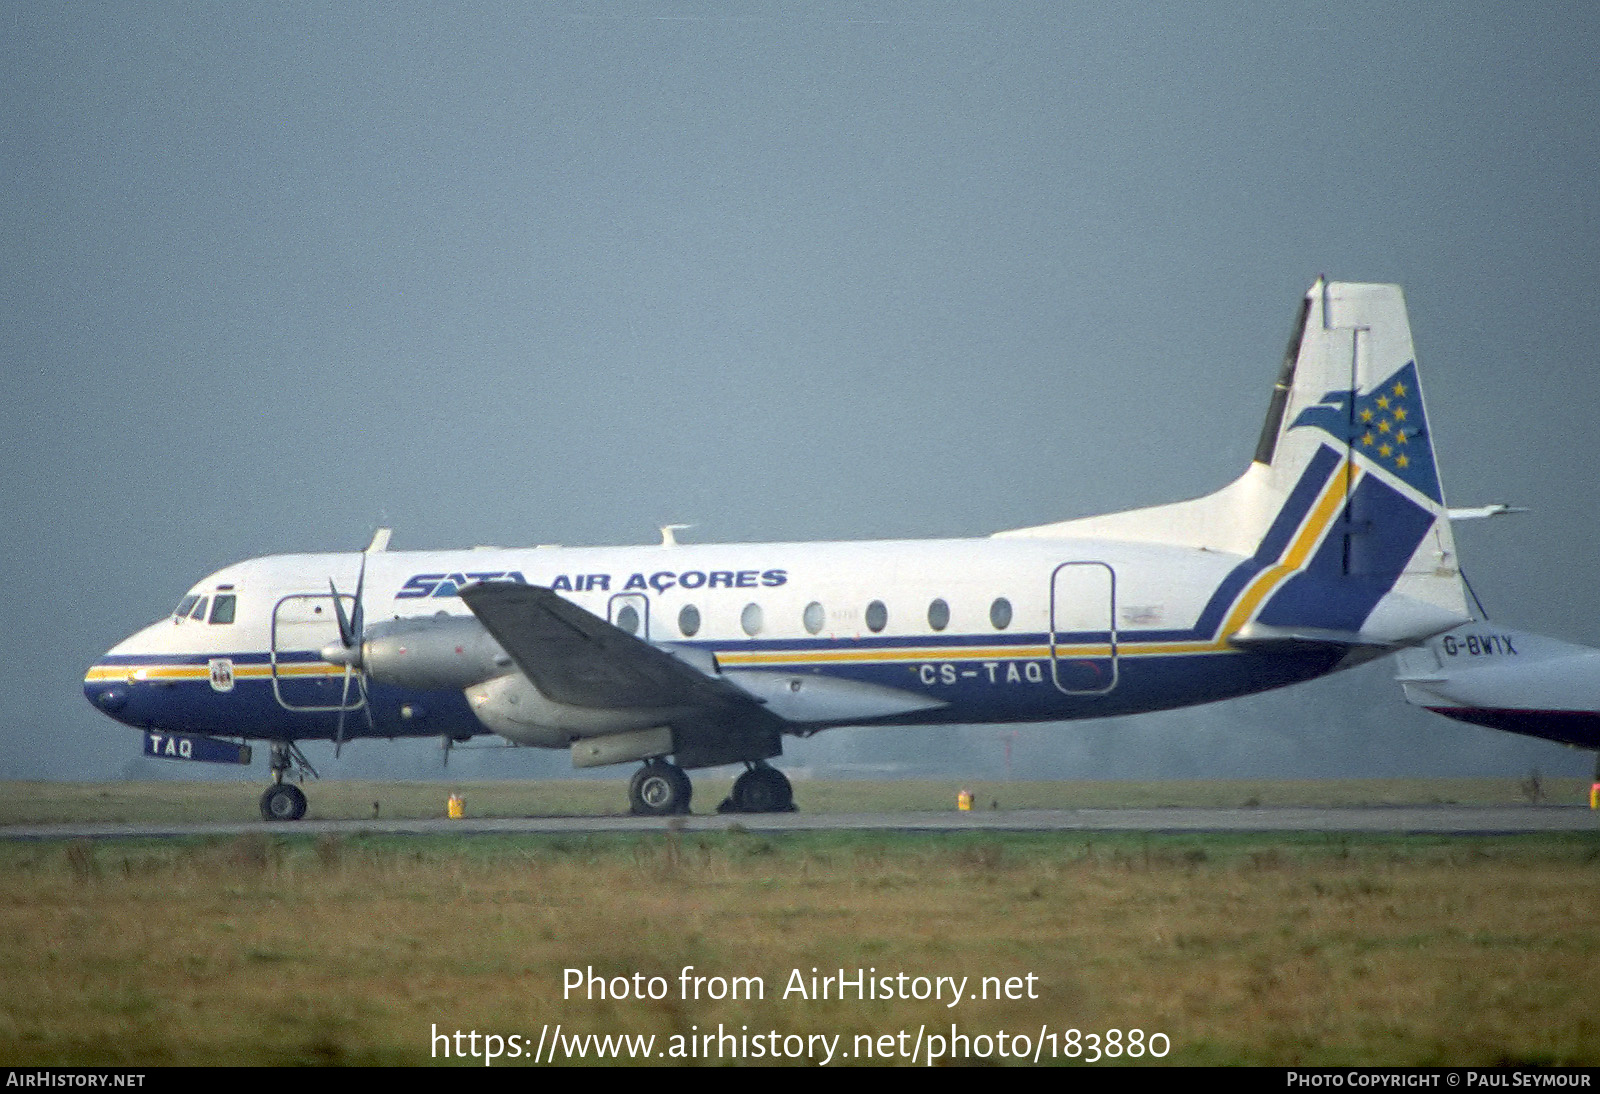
669 533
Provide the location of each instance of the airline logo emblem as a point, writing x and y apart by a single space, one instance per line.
1386 426
424 585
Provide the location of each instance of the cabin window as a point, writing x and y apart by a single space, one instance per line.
750 619
185 606
938 615
689 621
222 609
1000 613
814 617
877 616
628 619
199 613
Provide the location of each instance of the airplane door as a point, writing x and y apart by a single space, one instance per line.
1083 632
302 624
630 612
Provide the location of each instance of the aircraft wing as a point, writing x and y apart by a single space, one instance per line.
575 657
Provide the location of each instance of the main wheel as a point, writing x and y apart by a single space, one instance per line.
660 789
762 789
283 802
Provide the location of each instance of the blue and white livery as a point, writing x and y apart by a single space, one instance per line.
1333 547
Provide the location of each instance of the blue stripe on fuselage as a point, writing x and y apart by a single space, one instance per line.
251 709
1318 469
1385 528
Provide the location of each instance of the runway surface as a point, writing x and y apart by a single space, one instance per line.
1415 819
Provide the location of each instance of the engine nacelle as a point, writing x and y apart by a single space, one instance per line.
511 706
431 653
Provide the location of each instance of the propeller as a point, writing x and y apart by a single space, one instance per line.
352 630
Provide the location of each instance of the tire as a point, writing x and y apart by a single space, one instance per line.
659 789
763 789
283 802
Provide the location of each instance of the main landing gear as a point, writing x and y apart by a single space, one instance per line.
659 789
285 801
761 789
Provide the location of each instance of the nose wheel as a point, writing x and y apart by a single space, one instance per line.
659 789
285 801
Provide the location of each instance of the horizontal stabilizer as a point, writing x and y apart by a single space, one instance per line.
1264 636
1484 512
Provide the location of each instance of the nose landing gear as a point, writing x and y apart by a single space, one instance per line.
285 801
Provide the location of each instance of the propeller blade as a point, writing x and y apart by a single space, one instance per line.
358 616
347 634
344 701
351 627
352 630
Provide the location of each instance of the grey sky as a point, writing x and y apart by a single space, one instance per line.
276 274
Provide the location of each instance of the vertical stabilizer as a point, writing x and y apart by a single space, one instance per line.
1353 423
1341 514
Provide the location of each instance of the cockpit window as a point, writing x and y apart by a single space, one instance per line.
185 606
199 613
222 610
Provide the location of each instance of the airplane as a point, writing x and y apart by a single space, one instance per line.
1510 680
1333 547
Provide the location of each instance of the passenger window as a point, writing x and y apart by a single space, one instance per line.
813 617
689 621
199 613
750 619
222 609
938 615
1000 613
877 616
628 619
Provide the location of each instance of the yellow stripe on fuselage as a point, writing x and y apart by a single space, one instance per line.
101 674
1300 548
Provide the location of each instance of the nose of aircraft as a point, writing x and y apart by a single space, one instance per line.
107 699
108 684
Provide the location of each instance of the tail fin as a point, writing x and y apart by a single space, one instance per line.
1341 512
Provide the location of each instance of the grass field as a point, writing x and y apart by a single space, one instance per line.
273 948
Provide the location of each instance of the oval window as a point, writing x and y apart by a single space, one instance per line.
689 621
628 619
877 616
1000 613
814 617
938 615
750 619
